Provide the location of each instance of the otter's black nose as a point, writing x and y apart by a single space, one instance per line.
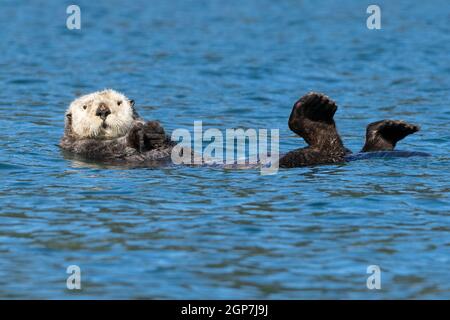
103 111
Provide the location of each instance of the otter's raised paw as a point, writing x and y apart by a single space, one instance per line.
383 135
313 106
144 137
397 128
316 107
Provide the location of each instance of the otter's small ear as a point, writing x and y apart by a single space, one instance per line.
132 102
68 124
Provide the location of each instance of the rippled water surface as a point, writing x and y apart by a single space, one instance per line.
183 232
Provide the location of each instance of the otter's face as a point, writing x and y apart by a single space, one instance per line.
101 115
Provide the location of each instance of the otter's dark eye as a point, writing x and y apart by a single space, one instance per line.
119 103
84 107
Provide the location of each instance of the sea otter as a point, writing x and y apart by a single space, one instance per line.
312 119
105 126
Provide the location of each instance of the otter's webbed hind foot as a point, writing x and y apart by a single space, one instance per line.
312 107
312 119
383 135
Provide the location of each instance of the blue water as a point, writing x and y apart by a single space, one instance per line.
184 232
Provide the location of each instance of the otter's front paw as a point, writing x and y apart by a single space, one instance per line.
144 137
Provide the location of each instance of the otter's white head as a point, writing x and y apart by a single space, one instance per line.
105 114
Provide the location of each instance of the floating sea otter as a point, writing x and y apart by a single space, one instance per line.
312 119
105 126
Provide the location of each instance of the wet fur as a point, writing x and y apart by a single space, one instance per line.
312 119
132 140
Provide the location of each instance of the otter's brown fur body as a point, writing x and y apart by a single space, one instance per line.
105 126
133 147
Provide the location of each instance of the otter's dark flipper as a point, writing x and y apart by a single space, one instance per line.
383 135
312 119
